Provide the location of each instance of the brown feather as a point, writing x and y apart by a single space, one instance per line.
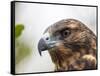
76 52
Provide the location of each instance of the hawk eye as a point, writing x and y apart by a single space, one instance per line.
65 33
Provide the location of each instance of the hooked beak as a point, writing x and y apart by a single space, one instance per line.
42 46
45 43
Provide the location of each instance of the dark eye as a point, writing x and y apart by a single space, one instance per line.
65 33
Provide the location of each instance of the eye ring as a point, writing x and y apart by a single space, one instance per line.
65 33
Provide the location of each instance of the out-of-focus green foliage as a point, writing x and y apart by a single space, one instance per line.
18 30
22 49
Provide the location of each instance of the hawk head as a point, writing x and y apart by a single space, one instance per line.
67 41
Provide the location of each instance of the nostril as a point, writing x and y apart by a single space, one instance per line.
47 38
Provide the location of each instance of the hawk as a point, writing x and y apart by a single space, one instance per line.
71 45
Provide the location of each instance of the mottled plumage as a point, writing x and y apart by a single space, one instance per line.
71 45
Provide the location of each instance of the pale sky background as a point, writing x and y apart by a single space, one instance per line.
36 18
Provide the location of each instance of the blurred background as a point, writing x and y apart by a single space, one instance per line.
32 20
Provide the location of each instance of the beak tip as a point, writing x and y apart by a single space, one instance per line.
40 53
39 50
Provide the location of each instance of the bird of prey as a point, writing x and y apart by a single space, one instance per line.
71 45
